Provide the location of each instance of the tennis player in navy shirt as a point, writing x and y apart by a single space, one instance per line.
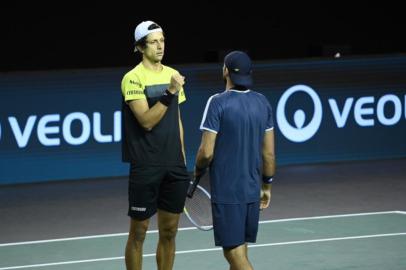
238 145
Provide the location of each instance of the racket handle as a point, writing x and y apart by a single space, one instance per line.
192 187
195 182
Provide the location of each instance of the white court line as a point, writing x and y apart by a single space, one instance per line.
62 263
194 228
82 238
334 216
210 249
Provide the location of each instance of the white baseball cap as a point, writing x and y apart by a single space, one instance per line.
145 28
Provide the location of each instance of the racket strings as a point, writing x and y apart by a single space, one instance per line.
199 209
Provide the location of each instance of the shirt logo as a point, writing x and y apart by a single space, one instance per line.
135 83
134 92
138 209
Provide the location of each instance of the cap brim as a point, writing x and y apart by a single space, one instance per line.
242 80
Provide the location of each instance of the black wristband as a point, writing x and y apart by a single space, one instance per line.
267 179
166 98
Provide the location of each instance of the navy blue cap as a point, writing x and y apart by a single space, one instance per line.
239 67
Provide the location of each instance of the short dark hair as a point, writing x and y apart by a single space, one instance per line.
142 42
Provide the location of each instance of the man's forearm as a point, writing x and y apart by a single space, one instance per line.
202 160
268 165
149 117
206 151
152 116
182 137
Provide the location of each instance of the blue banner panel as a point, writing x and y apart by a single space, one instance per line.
336 110
60 125
57 125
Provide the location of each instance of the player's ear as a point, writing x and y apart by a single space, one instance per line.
139 48
225 70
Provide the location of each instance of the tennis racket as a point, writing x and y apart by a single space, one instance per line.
198 206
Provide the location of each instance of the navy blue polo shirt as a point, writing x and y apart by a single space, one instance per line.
240 120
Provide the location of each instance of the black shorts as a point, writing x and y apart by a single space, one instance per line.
152 188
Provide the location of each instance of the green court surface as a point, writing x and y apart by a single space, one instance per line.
356 241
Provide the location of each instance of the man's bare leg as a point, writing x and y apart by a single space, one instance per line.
168 227
133 250
237 258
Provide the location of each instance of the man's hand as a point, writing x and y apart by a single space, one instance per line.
265 196
177 81
198 172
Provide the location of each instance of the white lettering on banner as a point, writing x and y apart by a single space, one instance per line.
341 119
360 110
98 136
22 137
397 112
43 130
66 128
117 126
50 125
365 113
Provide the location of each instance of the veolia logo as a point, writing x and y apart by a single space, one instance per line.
50 129
298 132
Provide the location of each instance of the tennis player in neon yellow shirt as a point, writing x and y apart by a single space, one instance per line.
153 145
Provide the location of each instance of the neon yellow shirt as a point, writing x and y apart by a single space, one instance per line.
160 146
143 83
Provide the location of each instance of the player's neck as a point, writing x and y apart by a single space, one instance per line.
155 66
229 85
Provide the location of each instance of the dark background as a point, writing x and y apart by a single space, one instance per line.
58 36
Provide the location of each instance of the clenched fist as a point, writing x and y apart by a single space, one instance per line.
177 81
